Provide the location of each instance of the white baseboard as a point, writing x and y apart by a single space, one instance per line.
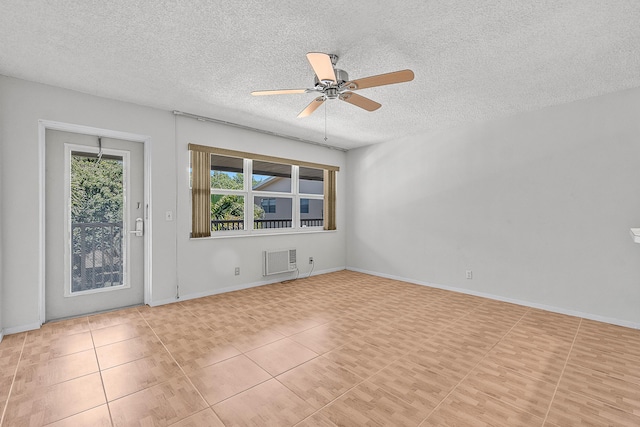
553 309
238 287
22 328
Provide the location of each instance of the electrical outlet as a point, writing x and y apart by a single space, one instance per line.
310 260
237 271
469 274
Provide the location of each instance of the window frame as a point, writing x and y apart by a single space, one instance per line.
250 194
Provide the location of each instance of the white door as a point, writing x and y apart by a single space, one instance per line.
95 218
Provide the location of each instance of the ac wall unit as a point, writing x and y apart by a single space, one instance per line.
278 261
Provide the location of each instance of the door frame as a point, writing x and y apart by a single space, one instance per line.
43 126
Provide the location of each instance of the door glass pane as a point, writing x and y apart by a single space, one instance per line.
97 204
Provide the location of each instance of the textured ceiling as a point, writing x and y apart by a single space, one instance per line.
473 60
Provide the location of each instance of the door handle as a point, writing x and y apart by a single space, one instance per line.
139 228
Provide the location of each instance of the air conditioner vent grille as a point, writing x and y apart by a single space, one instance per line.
278 261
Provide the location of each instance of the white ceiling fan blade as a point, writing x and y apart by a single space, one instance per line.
313 106
277 92
381 80
360 101
322 66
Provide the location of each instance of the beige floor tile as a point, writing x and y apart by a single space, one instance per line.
630 348
250 337
570 408
227 323
6 380
206 418
416 341
142 373
526 393
532 336
595 329
112 318
12 341
129 350
96 417
321 339
227 378
529 359
466 406
319 381
361 358
316 420
444 360
467 340
369 405
417 385
48 404
163 311
41 348
613 363
161 405
9 356
604 388
195 353
280 356
395 341
54 371
551 324
267 404
120 332
169 333
63 327
300 323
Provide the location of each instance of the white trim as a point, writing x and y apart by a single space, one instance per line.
285 232
553 309
43 125
238 287
22 328
1 335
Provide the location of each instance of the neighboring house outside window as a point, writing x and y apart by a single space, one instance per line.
268 205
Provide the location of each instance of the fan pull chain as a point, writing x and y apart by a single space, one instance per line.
325 122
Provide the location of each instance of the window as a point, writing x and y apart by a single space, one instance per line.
227 193
268 205
240 193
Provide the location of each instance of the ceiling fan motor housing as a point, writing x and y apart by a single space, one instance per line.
341 77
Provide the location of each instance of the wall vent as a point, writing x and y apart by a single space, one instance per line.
278 261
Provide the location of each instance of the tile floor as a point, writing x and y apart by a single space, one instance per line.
340 349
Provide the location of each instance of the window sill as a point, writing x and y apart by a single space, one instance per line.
241 234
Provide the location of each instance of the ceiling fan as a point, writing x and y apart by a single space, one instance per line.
332 83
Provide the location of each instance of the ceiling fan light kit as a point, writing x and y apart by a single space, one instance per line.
333 83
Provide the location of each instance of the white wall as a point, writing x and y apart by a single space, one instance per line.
22 105
538 206
203 266
207 265
1 214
